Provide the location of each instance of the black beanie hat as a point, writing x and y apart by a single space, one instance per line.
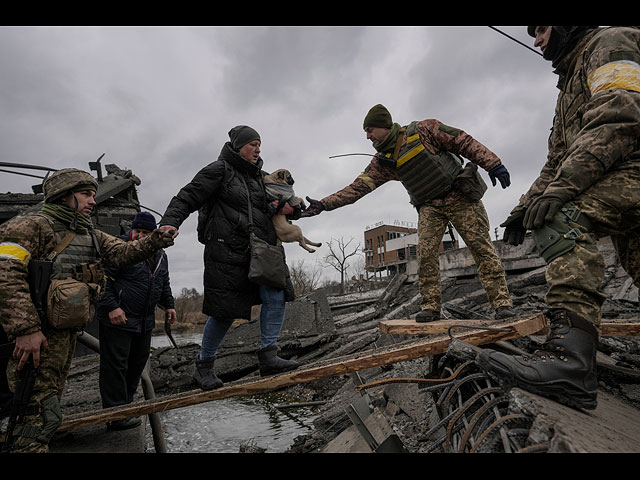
144 220
378 116
241 135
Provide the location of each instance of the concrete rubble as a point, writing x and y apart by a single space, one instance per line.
405 416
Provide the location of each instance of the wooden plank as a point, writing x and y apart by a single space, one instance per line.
620 328
339 366
608 328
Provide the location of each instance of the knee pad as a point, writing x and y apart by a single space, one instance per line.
52 417
51 414
557 237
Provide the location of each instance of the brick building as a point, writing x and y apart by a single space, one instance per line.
393 248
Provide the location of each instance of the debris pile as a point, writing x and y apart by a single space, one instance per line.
440 403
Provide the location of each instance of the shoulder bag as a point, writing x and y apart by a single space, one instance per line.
266 266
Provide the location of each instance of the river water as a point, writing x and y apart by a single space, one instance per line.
223 426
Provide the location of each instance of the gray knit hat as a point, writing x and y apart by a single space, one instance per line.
241 135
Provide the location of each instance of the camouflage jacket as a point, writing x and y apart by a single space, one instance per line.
31 237
596 127
436 137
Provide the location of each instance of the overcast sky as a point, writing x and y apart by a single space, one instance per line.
161 100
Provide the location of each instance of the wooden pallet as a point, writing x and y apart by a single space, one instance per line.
431 345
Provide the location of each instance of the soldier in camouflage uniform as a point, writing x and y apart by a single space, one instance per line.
424 157
589 188
69 199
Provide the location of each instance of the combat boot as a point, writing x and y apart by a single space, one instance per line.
504 312
564 368
205 376
425 316
271 363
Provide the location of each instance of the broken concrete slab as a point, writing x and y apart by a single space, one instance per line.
351 439
613 427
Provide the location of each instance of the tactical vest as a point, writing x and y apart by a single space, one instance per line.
80 251
425 175
77 280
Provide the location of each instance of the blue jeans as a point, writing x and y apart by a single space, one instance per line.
271 320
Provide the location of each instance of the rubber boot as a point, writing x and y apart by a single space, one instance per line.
425 316
563 370
270 363
205 376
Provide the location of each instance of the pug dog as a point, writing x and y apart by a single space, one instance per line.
279 186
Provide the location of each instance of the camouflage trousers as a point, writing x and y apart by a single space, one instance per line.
43 414
575 278
472 223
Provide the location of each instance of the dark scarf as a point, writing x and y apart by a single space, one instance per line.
70 217
232 156
565 65
562 41
389 143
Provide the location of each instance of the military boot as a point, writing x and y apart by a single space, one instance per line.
205 376
504 312
425 316
271 363
564 369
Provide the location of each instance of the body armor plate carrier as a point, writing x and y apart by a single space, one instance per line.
426 176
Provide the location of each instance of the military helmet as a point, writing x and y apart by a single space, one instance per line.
66 180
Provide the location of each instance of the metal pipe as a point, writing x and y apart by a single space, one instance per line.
159 443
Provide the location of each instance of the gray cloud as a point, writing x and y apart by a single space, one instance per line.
160 101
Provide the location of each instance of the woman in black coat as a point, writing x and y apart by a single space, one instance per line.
219 194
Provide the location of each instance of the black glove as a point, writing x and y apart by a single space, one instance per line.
501 173
314 208
514 231
542 211
161 239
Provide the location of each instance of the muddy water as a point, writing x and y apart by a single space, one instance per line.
223 426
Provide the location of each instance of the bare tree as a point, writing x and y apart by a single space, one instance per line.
304 279
188 304
339 254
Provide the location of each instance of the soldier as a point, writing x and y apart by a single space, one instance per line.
61 232
424 157
589 188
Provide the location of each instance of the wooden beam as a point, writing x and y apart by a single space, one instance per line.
335 367
608 328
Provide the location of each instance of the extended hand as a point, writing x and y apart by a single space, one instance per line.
169 228
502 174
163 237
315 207
514 231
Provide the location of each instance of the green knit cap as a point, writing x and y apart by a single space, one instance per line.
378 116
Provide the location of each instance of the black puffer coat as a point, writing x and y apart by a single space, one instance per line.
218 192
137 289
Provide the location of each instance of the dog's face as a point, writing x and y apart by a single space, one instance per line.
282 176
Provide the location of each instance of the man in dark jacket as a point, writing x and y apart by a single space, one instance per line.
126 316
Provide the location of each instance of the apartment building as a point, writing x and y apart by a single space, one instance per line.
392 249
